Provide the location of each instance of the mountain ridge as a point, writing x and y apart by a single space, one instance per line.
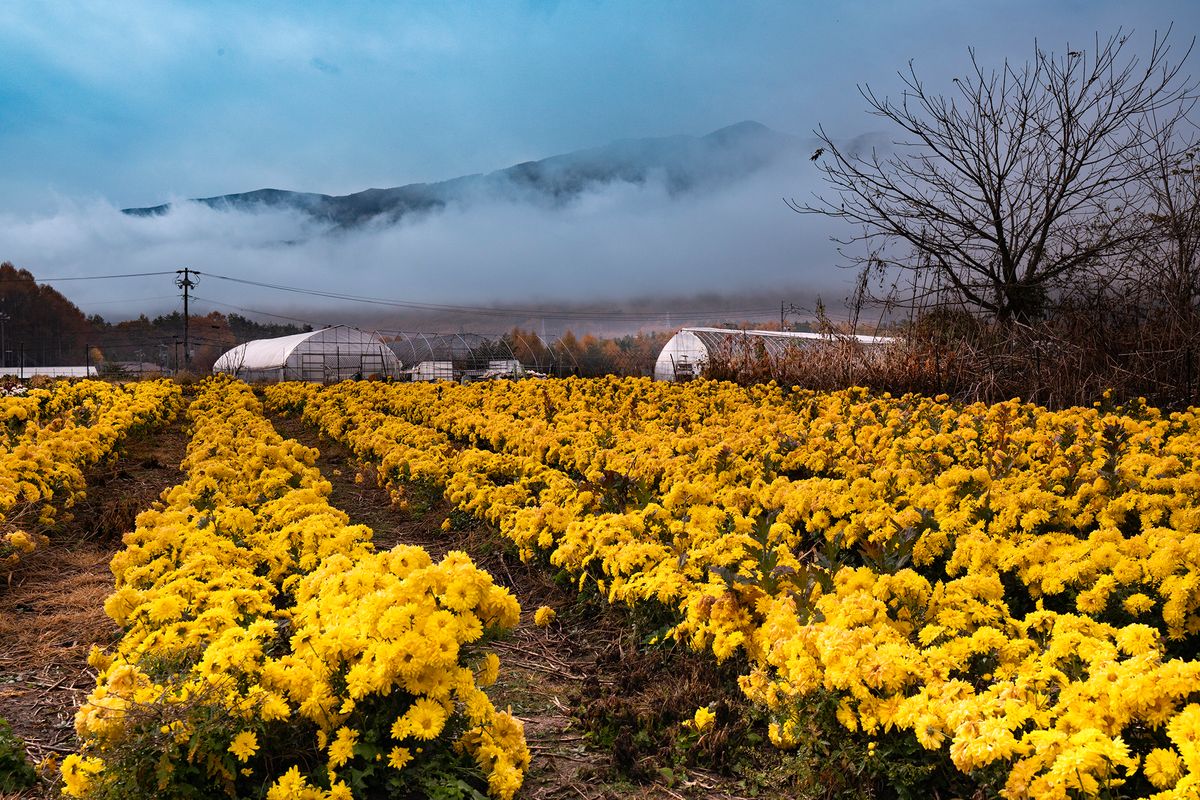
684 163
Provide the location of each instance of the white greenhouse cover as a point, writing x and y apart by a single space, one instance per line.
329 354
262 353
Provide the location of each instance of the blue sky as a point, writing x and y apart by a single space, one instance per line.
139 101
105 105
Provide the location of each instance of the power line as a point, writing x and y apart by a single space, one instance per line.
159 341
492 310
86 277
253 310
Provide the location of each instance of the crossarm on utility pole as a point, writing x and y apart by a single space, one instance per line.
185 282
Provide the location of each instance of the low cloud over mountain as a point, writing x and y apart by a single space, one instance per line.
681 164
630 221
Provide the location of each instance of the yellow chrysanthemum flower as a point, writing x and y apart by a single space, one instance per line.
399 757
1163 768
244 745
341 749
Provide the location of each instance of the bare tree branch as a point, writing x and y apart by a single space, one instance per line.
1019 179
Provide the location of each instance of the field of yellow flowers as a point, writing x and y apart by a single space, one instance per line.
268 649
1007 590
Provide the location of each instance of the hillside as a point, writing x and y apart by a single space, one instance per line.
682 163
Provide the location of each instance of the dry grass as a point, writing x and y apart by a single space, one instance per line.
1069 359
55 604
49 619
52 604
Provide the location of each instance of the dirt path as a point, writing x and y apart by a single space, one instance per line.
601 714
52 605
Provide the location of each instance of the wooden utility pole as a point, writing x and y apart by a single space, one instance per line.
185 282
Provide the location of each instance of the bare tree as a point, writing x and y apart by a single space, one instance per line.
1016 181
1166 264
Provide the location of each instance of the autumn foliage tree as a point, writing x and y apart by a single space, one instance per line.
40 326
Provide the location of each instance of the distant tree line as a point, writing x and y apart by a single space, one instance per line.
40 327
37 323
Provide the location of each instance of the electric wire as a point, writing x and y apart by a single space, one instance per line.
87 277
253 310
493 310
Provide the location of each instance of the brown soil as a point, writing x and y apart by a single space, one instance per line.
602 711
52 603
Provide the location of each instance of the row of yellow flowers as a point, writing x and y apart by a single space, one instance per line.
51 436
35 405
270 650
1016 588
